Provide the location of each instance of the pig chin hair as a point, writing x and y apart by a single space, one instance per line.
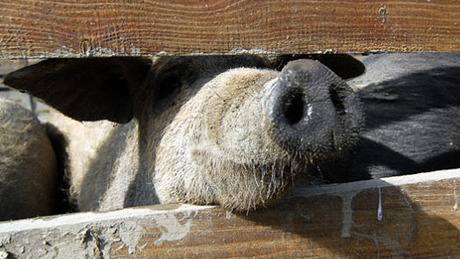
246 187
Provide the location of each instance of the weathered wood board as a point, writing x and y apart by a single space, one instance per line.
35 28
414 216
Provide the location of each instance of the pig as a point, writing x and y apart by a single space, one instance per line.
412 102
230 130
240 131
28 166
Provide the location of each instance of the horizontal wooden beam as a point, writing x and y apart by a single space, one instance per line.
413 216
37 29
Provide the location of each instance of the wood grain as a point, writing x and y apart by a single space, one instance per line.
419 218
37 28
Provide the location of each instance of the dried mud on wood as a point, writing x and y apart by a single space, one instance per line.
409 216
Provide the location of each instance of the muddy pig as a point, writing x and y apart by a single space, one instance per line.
27 165
230 130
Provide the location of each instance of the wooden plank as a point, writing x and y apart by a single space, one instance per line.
413 216
35 28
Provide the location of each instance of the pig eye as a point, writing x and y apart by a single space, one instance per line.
168 83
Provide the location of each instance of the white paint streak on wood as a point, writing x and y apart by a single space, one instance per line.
347 191
455 207
172 227
347 212
380 210
130 234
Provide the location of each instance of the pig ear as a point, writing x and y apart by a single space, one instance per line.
343 65
86 89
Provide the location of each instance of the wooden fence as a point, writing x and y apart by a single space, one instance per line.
413 216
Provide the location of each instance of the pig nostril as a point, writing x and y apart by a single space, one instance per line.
337 97
295 109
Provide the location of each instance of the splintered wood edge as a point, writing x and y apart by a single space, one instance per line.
153 210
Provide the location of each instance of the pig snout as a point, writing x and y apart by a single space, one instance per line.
313 111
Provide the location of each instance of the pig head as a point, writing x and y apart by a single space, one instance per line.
230 130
